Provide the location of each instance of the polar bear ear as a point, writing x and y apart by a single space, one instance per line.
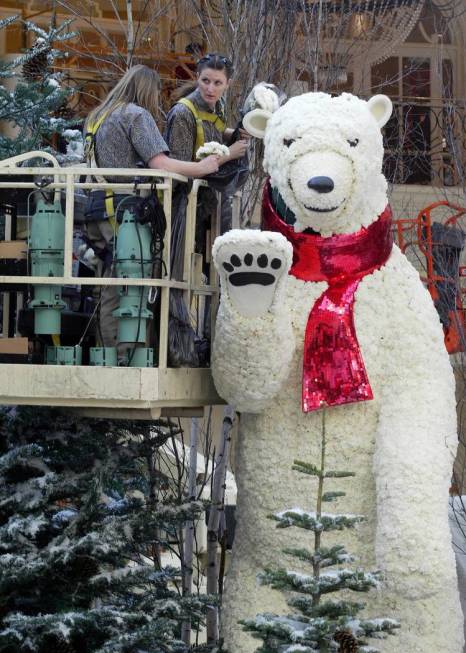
255 122
261 103
381 108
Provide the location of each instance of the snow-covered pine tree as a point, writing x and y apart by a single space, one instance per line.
80 531
34 106
317 624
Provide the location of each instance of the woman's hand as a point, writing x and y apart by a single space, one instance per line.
208 165
237 150
189 168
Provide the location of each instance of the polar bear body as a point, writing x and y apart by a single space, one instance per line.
400 444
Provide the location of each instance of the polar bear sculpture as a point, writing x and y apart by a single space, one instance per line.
350 328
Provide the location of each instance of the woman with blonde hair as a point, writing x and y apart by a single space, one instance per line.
122 133
127 133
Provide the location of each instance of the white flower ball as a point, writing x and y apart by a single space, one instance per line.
212 148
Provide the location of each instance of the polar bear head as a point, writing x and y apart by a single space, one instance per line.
324 156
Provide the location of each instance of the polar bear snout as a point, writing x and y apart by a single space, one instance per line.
321 184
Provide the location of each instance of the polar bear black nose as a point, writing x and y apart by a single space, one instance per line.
321 184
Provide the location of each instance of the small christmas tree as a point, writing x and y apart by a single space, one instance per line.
80 531
319 625
35 107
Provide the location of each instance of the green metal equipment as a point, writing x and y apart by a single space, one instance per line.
133 260
103 356
46 248
63 355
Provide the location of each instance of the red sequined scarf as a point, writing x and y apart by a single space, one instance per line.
333 368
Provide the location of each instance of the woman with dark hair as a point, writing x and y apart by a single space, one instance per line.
205 95
197 118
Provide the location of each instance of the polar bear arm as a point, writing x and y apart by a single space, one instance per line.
251 358
254 342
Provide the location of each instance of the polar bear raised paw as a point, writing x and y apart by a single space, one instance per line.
252 266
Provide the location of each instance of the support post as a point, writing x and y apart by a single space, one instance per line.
190 526
217 510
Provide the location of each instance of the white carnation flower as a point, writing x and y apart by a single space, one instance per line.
212 148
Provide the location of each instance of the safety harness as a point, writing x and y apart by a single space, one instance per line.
89 150
199 117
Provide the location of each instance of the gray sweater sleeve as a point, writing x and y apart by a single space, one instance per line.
181 133
145 136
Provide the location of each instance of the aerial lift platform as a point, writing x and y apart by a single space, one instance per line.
93 390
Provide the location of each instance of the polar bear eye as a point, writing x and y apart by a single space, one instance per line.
288 141
353 143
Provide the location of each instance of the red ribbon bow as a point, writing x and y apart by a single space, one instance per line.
333 367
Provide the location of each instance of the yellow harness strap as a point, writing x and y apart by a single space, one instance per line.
110 209
199 116
90 155
90 134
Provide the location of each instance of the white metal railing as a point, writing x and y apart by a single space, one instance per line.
67 179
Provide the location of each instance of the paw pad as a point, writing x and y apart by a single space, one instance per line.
240 276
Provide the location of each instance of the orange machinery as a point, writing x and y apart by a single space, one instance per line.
439 242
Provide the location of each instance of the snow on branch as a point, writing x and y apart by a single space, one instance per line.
311 521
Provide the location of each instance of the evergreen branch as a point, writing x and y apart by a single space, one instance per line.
306 468
324 556
120 579
329 609
282 632
37 493
6 68
338 474
36 29
313 522
370 627
23 528
4 22
25 57
19 456
357 581
19 107
55 34
332 496
108 622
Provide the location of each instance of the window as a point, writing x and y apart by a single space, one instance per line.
423 137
